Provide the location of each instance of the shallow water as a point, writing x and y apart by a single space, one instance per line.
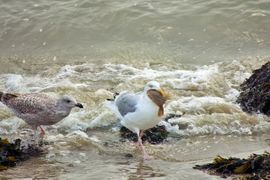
199 51
196 31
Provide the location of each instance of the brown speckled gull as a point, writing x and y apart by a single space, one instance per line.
38 109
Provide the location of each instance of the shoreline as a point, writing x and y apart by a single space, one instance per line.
176 162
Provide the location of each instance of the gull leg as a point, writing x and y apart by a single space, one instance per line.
42 132
36 137
137 144
145 155
141 133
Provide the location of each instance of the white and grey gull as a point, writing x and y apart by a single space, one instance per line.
38 109
140 111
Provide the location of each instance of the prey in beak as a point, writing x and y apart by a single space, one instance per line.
79 105
164 94
159 97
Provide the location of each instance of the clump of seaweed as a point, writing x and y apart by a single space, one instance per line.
255 167
13 152
255 95
155 135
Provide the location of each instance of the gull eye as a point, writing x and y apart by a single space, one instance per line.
151 86
68 101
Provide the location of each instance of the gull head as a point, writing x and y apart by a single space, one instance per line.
154 85
68 102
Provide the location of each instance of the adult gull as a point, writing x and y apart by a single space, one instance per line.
140 111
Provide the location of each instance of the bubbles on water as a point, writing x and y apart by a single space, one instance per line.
65 71
258 14
77 134
13 82
26 19
232 95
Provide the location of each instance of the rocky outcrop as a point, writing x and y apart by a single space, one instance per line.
255 91
13 152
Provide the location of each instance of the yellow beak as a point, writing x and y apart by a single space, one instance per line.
164 94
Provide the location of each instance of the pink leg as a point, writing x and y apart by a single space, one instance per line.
42 132
137 144
145 155
141 133
36 137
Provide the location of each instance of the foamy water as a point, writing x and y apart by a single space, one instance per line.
204 94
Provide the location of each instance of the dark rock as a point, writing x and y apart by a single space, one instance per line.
255 95
154 135
255 167
114 96
170 116
12 153
129 155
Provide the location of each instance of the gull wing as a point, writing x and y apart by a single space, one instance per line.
126 103
26 103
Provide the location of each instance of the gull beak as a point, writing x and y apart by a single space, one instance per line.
79 105
164 94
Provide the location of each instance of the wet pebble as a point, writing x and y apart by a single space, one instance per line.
129 155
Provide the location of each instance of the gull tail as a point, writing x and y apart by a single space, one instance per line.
4 97
111 105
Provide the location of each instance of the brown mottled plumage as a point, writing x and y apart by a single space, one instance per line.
38 109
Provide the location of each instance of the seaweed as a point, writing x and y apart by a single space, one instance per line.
13 152
155 135
255 94
255 167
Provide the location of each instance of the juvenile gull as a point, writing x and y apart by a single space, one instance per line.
38 109
140 111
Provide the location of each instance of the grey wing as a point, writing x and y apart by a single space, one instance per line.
126 103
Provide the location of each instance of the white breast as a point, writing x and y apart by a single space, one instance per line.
145 116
